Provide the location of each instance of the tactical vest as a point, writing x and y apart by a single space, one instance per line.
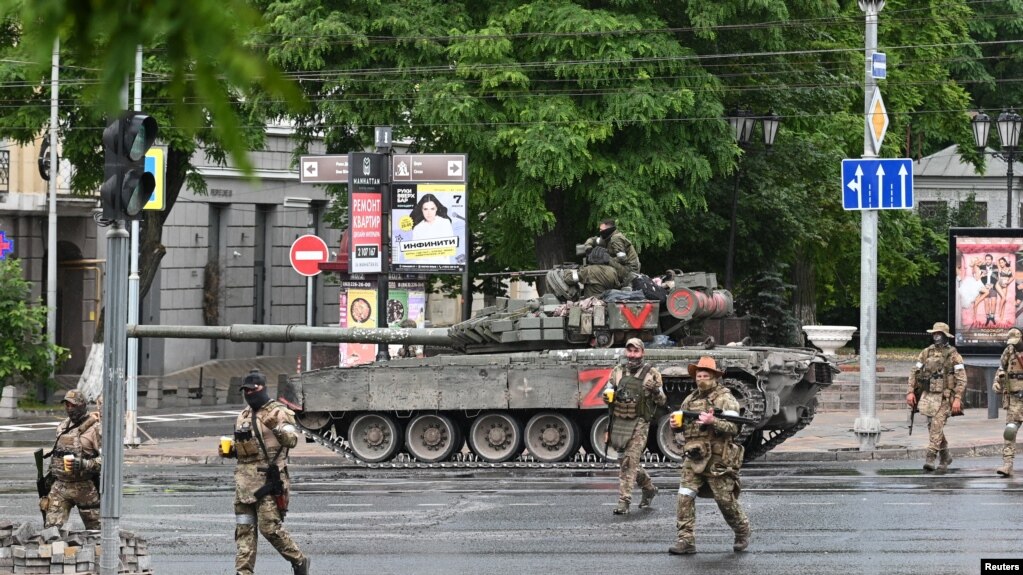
1013 372
247 445
70 443
933 373
691 426
630 400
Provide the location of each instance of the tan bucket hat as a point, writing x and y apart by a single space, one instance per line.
707 363
941 327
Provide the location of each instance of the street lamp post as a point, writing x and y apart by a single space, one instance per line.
743 122
1009 123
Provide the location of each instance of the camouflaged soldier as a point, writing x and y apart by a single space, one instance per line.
1009 382
711 466
75 464
263 434
637 393
936 385
619 246
600 274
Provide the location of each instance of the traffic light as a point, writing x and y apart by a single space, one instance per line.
126 184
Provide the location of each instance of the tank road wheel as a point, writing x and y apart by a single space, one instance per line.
596 437
670 441
313 420
432 437
374 437
551 437
495 437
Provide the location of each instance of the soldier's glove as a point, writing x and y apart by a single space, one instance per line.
911 399
650 385
997 386
81 465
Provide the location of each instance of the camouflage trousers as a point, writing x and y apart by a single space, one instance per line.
67 494
265 516
936 429
1013 414
630 470
725 489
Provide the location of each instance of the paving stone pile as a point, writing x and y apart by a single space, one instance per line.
24 549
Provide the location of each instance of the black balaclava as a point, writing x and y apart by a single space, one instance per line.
257 398
76 411
940 339
1018 345
606 232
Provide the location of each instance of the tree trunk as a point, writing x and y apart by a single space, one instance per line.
804 297
550 245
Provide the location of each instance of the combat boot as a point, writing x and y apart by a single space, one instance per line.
929 462
623 507
682 548
944 461
648 496
301 568
1006 469
741 541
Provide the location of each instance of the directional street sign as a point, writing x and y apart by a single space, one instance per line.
332 169
878 65
877 184
429 168
307 252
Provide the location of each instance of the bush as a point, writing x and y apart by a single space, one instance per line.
25 352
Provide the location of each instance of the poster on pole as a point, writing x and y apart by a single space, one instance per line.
358 305
985 287
405 301
428 227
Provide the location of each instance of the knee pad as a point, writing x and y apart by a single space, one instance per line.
1010 431
686 492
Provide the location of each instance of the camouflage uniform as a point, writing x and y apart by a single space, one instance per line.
716 474
632 411
78 487
276 426
618 244
1009 382
598 278
938 378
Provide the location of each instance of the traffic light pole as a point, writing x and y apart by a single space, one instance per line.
114 348
131 409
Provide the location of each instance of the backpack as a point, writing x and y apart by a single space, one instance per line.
651 291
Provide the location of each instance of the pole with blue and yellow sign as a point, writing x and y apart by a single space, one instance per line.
156 165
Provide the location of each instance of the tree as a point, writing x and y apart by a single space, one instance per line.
25 351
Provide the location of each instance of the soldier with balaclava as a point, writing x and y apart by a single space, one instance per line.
75 464
1009 382
713 459
263 433
936 385
619 246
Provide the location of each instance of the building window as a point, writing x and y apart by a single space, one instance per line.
932 210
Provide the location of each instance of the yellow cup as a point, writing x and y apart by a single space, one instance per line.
69 462
609 395
226 443
676 419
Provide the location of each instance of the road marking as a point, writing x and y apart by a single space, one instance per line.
169 418
172 505
350 505
433 504
908 503
525 504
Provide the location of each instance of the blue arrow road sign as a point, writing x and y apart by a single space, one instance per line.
878 65
877 184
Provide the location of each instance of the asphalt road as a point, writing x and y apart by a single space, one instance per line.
808 518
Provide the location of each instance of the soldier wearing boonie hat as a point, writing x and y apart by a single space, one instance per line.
936 385
1009 382
637 391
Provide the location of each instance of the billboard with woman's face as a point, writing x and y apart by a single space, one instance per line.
985 287
428 227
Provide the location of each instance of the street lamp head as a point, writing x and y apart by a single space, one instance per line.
770 122
1008 128
742 122
981 127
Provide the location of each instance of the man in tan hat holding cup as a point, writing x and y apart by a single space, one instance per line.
711 466
637 391
936 385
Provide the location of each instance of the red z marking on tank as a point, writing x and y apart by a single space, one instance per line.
636 321
597 378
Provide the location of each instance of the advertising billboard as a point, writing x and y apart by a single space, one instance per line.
428 227
985 287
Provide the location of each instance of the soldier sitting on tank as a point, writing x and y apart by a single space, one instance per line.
600 274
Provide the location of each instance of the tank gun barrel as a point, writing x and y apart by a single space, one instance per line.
288 333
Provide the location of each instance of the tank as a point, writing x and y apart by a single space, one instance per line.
522 381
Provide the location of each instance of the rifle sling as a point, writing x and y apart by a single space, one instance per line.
259 438
62 433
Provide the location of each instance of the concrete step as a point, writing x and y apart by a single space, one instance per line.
855 405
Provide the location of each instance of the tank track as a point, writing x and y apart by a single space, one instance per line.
471 461
778 437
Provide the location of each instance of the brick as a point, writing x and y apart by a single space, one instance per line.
58 547
46 550
18 551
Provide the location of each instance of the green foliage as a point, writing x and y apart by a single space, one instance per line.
24 348
765 298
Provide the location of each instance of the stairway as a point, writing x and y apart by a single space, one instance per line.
844 393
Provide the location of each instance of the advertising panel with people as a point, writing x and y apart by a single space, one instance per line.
985 286
428 227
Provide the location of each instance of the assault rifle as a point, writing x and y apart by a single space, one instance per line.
43 482
274 486
718 414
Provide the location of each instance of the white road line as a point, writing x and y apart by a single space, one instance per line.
433 504
908 503
349 505
525 504
172 506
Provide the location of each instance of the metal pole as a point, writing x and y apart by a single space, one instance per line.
731 234
114 340
131 409
1009 187
309 321
51 235
383 278
867 427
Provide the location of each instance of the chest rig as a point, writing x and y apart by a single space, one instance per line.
1013 372
936 371
630 400
70 443
246 441
691 426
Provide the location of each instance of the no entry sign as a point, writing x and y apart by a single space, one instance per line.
307 253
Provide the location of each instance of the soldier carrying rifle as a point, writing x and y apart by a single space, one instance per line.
1009 382
939 377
